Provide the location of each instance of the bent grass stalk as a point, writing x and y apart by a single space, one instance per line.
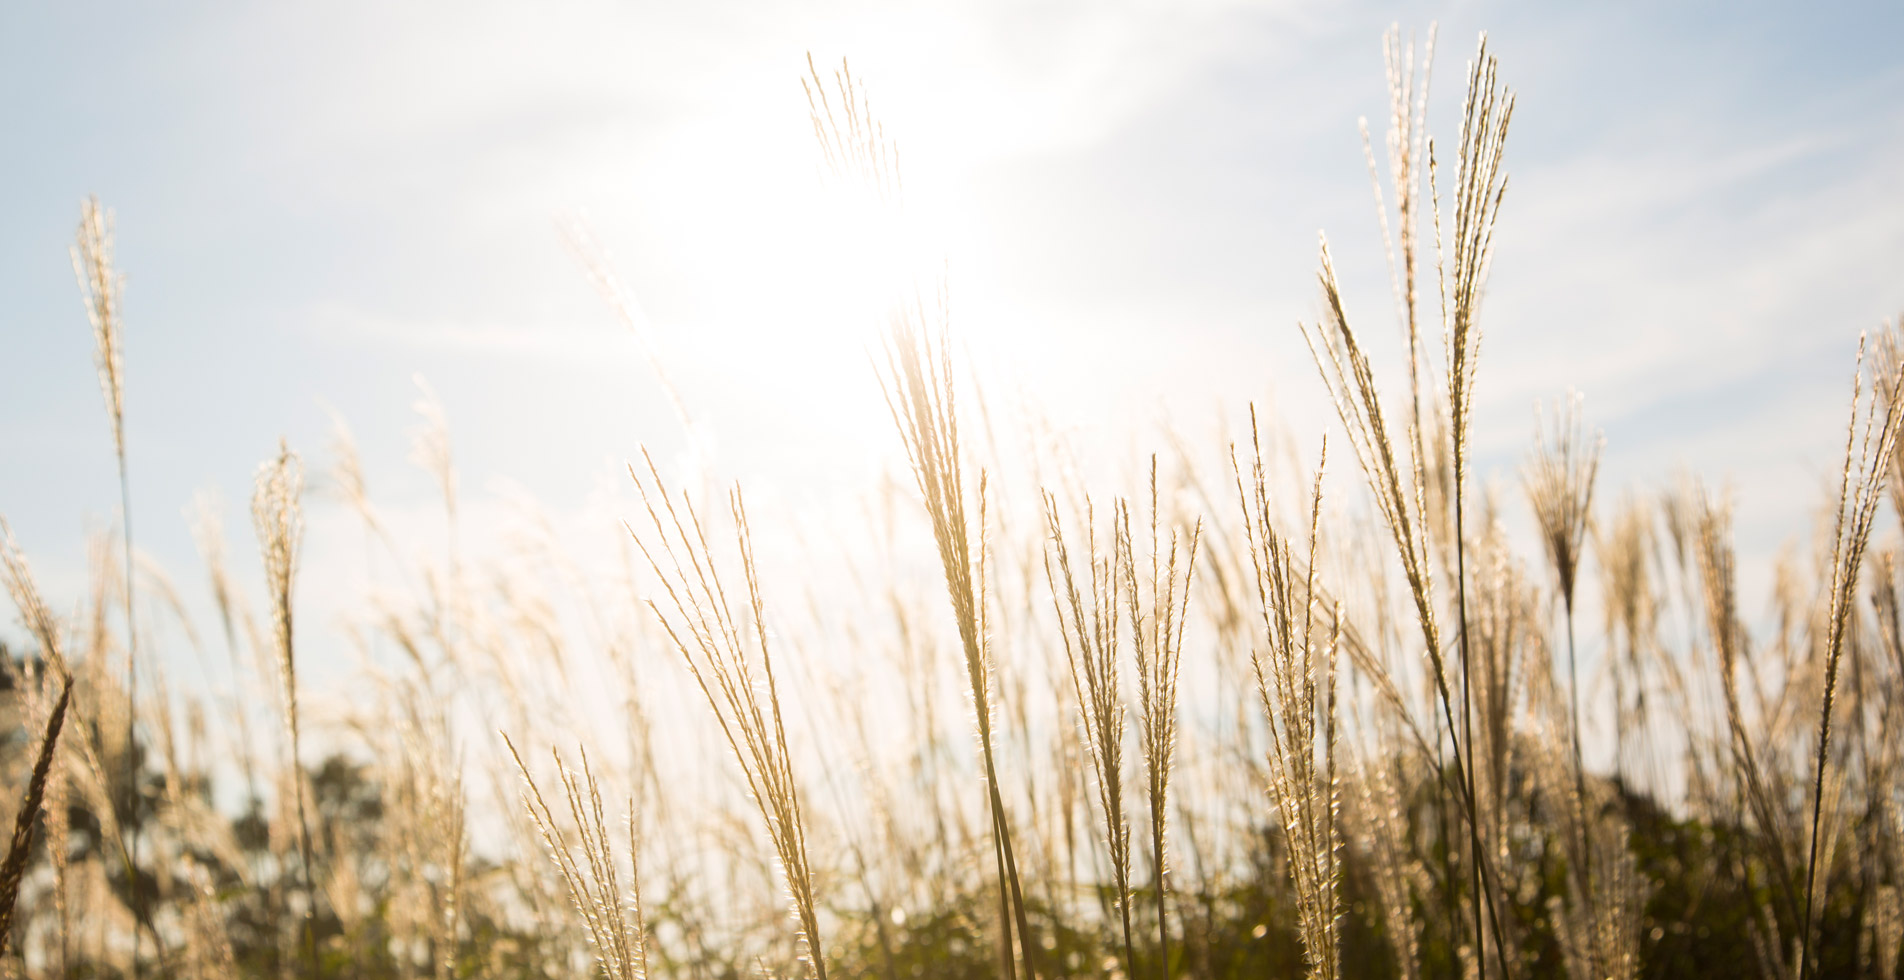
715 643
13 870
17 576
589 253
919 393
621 946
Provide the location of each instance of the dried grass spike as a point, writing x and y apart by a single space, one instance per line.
278 518
14 870
101 288
732 661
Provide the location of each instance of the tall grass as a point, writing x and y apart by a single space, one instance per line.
720 648
1296 682
1089 629
615 925
1333 717
102 288
1870 444
1479 186
1159 612
278 518
919 392
1560 487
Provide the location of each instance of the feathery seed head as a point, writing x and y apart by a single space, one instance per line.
853 143
1479 187
17 576
277 517
1559 480
101 287
430 443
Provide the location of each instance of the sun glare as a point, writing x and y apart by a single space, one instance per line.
789 271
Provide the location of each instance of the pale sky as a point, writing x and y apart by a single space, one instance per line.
318 202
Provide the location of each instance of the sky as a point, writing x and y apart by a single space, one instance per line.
319 204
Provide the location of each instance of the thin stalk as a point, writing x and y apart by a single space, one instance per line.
1163 926
1579 764
1467 726
101 289
278 520
132 712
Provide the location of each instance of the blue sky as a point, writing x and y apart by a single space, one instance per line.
317 203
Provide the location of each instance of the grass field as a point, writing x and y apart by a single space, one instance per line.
1235 714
